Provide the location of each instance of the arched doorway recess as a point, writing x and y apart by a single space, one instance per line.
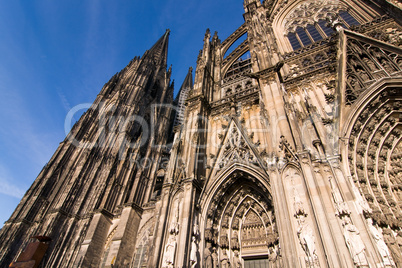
240 225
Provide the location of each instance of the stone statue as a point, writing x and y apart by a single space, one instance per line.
215 258
387 66
174 225
170 249
362 74
381 246
225 260
354 243
234 138
209 262
306 237
370 64
393 247
196 228
193 253
272 254
236 260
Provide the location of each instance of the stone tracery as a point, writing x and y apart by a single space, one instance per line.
309 12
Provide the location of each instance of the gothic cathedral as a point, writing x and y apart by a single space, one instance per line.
284 151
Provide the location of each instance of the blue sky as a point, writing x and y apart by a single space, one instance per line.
58 54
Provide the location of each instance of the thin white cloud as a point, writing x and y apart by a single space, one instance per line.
11 190
8 188
24 136
64 101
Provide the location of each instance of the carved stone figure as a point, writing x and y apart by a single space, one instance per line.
196 228
306 237
215 260
234 138
174 225
387 66
370 64
354 243
381 246
209 263
236 260
170 249
193 253
362 74
225 263
393 247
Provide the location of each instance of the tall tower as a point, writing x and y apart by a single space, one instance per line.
99 178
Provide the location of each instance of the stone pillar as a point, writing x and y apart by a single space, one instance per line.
184 238
90 254
123 242
283 221
312 191
160 227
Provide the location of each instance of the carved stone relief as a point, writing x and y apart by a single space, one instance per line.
174 229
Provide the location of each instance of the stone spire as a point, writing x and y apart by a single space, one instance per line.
182 96
93 177
159 51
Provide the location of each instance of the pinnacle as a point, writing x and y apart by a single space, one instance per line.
159 50
188 81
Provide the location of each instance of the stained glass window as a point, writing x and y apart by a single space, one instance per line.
303 36
293 41
314 32
327 30
348 18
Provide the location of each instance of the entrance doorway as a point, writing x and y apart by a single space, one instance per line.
256 263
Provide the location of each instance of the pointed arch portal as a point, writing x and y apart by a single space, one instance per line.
240 225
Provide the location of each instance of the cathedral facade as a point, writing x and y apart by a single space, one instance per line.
283 151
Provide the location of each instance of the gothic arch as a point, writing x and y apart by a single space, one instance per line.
372 150
223 176
238 216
